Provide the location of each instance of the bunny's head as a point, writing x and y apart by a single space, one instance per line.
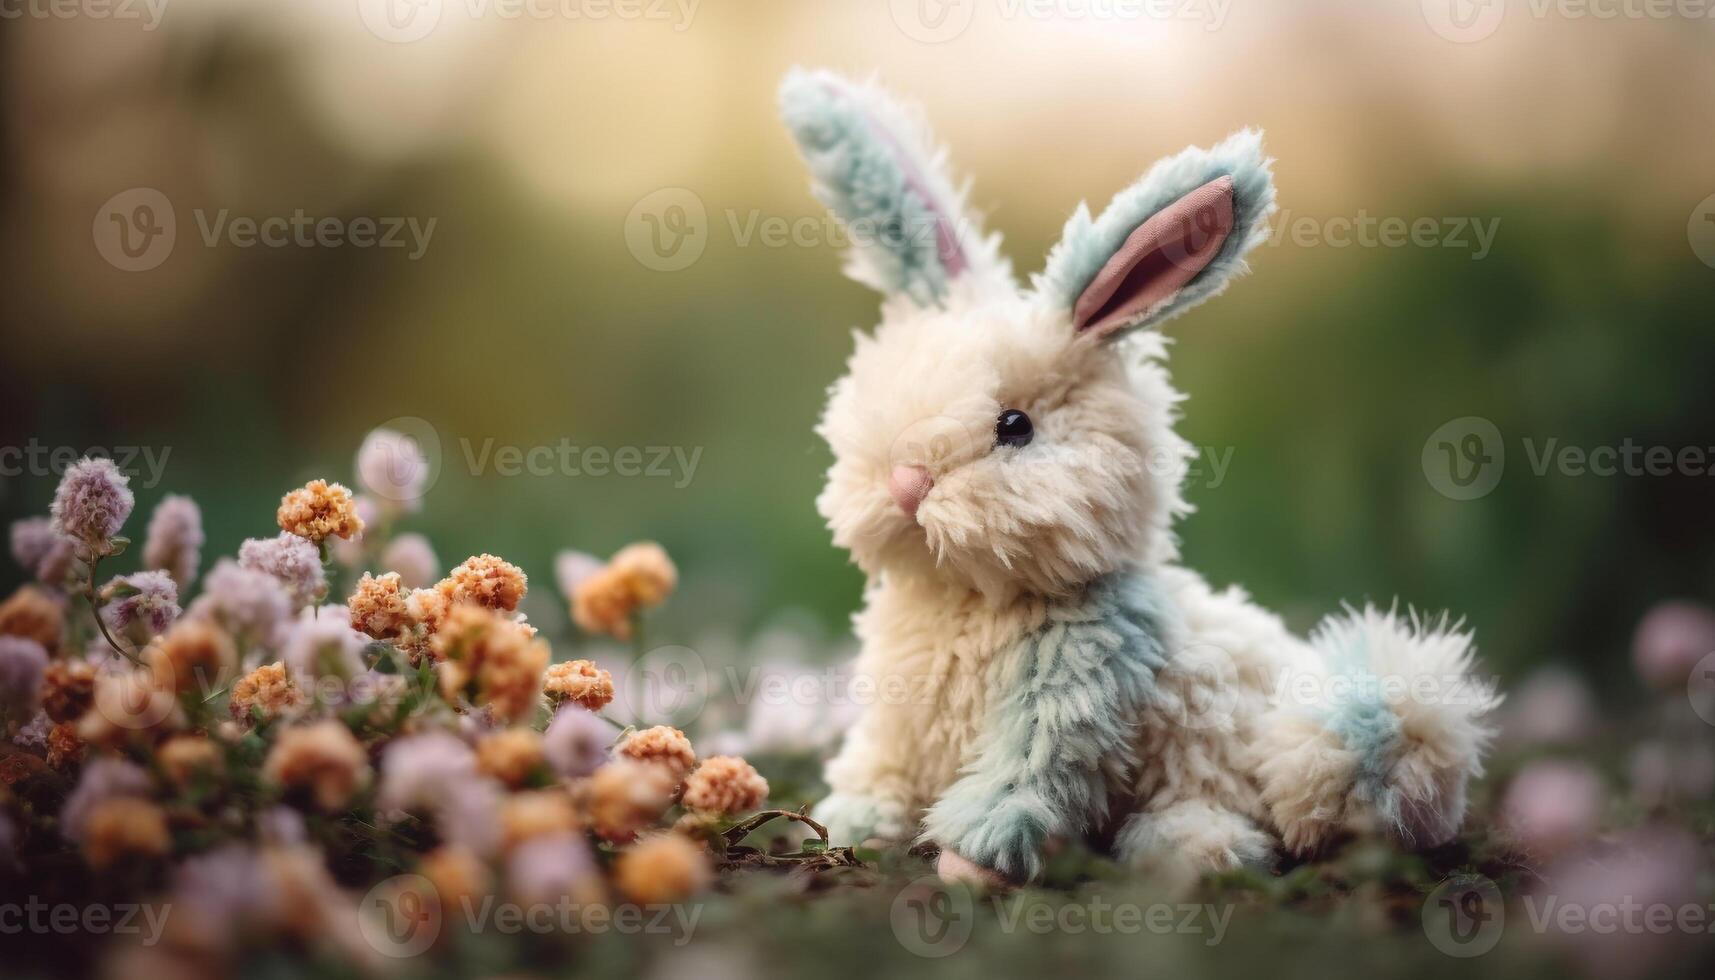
993 437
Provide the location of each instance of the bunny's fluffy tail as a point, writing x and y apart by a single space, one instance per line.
1383 731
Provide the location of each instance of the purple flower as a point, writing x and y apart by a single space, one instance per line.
151 601
571 568
104 778
249 604
1667 771
91 505
40 550
1670 640
414 559
393 467
323 644
419 770
35 734
22 663
32 539
281 826
469 815
1619 893
551 867
576 742
1552 707
295 561
224 892
175 539
1552 805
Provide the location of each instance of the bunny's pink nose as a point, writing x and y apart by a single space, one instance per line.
909 485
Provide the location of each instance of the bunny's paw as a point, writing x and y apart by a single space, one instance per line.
853 818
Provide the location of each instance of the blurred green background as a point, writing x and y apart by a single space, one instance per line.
535 144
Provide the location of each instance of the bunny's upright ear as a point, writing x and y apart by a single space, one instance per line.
1164 244
875 165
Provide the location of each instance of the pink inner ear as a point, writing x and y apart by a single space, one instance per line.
1158 259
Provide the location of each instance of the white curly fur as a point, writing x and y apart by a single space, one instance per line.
1246 738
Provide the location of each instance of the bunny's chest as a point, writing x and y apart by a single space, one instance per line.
934 669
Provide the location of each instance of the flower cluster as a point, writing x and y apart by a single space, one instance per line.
319 510
608 598
236 751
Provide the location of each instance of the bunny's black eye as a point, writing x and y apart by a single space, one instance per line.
1013 428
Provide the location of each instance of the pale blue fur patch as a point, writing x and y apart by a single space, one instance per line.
1064 727
1086 244
859 174
1365 725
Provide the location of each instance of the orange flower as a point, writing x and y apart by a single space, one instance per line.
639 576
510 755
124 826
487 581
378 607
535 814
65 747
68 689
184 757
661 869
322 757
34 615
193 655
580 682
318 510
725 784
496 662
266 688
662 745
624 797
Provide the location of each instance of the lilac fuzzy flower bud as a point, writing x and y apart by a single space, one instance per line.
148 600
174 540
296 562
91 505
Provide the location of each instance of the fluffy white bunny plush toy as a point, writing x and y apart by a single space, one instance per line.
1036 664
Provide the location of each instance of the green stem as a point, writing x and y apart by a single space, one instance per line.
94 562
637 648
